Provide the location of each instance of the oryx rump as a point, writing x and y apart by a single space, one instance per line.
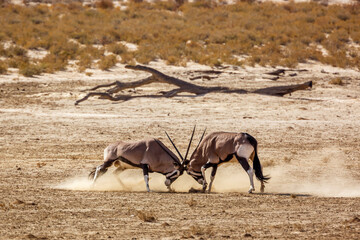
149 154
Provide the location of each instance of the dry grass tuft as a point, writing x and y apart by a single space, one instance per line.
145 216
268 163
3 68
287 159
191 202
107 62
30 70
336 81
104 4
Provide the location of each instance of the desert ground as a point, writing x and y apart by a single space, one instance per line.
309 144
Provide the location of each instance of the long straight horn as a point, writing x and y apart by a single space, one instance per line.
201 138
188 148
174 146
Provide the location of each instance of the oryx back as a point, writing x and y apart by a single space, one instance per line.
220 147
147 151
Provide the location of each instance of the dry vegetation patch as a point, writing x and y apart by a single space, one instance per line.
204 32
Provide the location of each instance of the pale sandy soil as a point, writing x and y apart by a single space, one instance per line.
308 144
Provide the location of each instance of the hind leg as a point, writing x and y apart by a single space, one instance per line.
244 163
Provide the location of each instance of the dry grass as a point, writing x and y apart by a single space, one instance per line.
336 81
177 32
145 216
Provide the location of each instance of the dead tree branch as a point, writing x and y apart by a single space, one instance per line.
182 86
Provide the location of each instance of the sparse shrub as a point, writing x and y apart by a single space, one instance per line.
85 61
127 58
336 81
14 51
3 67
107 62
104 4
52 63
116 48
29 70
17 61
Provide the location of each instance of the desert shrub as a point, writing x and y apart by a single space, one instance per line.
127 58
52 63
104 4
116 48
107 62
29 70
85 61
3 67
65 50
336 81
14 51
17 61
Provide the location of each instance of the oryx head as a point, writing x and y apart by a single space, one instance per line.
185 161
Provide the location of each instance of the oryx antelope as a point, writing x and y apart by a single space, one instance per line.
219 147
149 154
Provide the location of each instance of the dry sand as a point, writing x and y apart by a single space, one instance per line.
308 143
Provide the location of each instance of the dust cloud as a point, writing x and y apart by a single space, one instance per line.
320 175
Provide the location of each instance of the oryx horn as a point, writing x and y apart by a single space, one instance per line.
187 151
174 146
202 136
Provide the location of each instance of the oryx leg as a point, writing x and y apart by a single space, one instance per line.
203 169
244 163
170 178
212 177
145 168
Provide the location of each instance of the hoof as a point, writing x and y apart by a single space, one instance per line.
251 190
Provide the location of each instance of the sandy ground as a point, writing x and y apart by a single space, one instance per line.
308 144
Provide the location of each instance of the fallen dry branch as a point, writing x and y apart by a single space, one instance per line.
182 86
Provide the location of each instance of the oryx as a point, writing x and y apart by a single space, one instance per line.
219 147
149 154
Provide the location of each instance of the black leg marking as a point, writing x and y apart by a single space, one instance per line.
228 158
145 169
244 163
213 172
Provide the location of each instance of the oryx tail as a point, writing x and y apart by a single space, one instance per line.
256 162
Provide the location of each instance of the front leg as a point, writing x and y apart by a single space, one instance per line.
170 178
212 177
145 168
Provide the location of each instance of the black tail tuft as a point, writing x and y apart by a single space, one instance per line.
256 163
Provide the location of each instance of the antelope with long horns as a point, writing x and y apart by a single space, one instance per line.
150 154
220 147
